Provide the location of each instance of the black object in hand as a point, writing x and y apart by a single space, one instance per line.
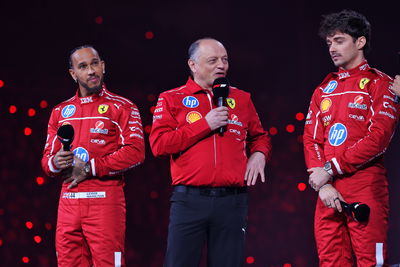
220 90
358 211
66 135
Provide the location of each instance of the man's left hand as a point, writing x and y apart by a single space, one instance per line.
78 174
255 167
318 177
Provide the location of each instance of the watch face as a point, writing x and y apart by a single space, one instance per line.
327 166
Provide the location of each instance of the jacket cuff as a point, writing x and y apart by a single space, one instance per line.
52 168
336 170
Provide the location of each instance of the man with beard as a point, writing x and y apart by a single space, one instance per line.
108 141
350 122
209 170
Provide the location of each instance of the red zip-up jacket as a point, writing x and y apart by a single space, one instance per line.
199 156
108 134
351 120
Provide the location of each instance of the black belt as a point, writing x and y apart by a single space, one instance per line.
210 191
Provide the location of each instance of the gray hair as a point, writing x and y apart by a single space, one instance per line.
194 48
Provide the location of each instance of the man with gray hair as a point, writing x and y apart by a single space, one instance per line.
209 171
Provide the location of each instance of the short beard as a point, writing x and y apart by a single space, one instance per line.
92 90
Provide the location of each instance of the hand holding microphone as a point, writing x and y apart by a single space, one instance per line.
63 159
218 118
358 211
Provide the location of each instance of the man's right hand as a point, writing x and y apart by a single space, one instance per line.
217 117
396 85
330 197
63 159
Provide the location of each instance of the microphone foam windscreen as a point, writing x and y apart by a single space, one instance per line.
221 87
66 131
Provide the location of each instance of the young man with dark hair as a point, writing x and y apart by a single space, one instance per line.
350 122
108 141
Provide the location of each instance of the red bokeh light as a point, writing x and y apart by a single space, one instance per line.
2 212
301 186
287 265
273 131
39 180
299 116
48 226
151 97
153 195
43 104
290 128
29 225
1 242
250 260
147 129
37 239
31 112
149 35
99 20
1 83
25 259
27 131
152 109
13 109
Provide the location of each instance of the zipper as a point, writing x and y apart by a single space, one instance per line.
215 141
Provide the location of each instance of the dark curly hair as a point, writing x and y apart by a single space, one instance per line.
347 21
70 65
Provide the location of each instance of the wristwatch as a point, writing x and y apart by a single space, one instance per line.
328 168
86 169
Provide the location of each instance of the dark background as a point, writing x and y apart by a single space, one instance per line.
275 54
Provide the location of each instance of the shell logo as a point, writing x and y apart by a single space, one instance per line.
193 116
358 99
326 105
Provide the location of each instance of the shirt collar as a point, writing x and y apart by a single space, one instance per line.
193 87
343 74
92 98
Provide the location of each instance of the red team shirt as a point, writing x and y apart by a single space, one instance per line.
200 157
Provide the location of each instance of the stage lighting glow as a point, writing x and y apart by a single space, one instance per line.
149 35
1 83
290 128
151 97
147 129
43 104
48 226
250 260
1 242
153 195
99 20
29 225
37 239
299 116
287 265
27 131
39 180
13 109
273 131
301 186
25 259
31 112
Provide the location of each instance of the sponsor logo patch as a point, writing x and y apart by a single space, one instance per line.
102 108
363 82
68 111
85 100
190 102
330 87
77 195
193 116
357 117
337 134
81 153
231 102
98 141
359 99
326 105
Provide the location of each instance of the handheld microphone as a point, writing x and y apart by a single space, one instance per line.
220 90
358 211
66 135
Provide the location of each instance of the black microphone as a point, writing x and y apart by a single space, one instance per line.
358 211
220 90
66 135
